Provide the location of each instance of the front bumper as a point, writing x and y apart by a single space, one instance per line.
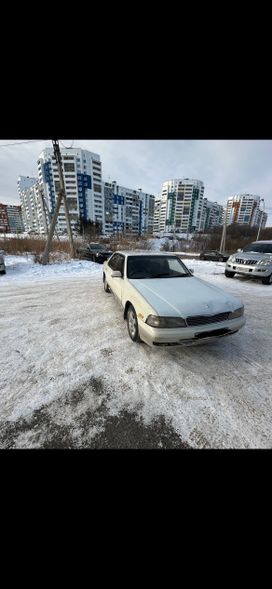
188 335
246 269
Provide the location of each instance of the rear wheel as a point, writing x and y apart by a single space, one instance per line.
132 324
229 274
267 280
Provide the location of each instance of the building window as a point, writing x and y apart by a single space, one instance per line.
97 188
69 167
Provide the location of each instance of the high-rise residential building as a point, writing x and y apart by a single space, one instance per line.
213 214
83 185
35 212
244 209
127 210
4 223
15 219
11 219
180 207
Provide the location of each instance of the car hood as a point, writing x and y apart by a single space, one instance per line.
185 296
252 256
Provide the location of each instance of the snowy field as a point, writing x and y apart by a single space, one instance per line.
71 376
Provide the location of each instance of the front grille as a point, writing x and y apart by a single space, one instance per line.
247 262
214 333
206 319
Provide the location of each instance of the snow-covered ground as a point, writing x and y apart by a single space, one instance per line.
68 365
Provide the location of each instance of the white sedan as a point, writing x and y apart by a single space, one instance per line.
164 304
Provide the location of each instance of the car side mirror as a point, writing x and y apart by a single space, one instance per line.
116 274
191 270
239 250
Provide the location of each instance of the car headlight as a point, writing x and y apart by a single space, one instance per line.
231 258
265 262
155 321
238 313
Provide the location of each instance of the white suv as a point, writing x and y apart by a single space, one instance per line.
253 260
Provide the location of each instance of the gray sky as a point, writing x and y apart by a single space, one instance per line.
226 167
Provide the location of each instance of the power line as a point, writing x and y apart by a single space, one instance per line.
22 142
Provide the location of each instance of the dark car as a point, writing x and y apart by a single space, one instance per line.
214 256
96 252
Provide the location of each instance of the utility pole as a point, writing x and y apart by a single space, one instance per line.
261 218
224 233
61 195
49 217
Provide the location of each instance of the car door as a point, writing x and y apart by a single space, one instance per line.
214 256
208 255
116 284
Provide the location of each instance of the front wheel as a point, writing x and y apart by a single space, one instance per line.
229 274
106 286
132 324
267 280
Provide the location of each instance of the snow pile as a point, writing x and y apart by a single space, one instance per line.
25 268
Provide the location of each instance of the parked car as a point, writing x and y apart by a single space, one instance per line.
164 304
253 260
2 263
96 252
214 255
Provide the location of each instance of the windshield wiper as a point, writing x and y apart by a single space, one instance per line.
170 275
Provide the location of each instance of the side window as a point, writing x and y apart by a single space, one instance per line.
117 263
112 262
120 264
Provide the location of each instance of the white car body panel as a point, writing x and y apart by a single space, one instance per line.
184 296
174 297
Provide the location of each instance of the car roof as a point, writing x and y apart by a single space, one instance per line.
145 253
268 241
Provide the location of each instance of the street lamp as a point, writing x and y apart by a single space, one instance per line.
261 217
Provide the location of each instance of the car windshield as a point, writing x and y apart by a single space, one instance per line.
96 246
262 248
156 267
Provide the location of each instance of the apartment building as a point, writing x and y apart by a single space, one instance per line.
11 220
244 209
127 210
4 223
213 214
82 172
180 206
35 212
15 220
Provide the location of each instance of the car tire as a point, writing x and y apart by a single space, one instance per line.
3 272
106 286
132 324
229 274
267 280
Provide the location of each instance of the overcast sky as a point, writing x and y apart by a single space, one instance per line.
226 167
